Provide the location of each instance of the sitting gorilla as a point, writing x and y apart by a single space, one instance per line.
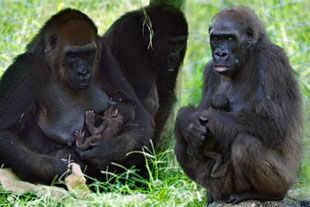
259 136
45 92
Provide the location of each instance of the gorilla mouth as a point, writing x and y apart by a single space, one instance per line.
166 69
221 68
81 85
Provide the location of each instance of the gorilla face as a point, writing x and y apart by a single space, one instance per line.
78 64
229 42
71 54
167 52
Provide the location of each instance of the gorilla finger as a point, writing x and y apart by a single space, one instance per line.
200 131
82 154
66 161
210 198
203 119
232 198
93 144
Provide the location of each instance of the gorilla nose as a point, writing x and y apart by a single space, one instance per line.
83 75
173 58
221 53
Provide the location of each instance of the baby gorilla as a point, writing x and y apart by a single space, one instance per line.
112 122
221 103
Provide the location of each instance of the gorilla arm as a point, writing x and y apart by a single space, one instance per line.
134 134
20 89
275 115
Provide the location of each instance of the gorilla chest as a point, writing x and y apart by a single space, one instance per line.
61 113
151 102
238 96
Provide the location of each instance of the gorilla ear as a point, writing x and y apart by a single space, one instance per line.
50 43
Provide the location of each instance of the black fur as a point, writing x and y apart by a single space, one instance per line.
28 96
143 60
259 137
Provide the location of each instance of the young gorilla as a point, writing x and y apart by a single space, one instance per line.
219 102
259 137
149 44
44 93
111 123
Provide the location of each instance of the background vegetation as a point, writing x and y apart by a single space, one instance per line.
288 24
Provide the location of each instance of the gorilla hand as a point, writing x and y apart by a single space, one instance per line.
189 121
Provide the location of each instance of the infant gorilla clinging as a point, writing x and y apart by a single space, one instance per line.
111 122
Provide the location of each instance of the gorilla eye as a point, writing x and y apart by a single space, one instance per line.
72 56
214 38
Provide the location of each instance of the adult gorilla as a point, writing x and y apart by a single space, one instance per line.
45 92
149 44
259 137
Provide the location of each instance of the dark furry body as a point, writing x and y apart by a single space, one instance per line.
39 108
259 138
143 64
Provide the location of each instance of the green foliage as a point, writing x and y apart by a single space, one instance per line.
167 186
288 25
176 3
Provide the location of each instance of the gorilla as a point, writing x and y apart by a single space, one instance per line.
150 44
259 137
45 93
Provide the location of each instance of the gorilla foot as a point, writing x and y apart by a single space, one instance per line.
90 116
217 173
79 137
210 198
251 195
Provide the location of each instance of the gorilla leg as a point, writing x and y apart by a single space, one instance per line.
259 171
188 163
29 164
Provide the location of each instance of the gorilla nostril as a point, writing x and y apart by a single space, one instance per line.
83 74
221 54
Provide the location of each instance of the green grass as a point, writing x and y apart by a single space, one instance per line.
288 24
